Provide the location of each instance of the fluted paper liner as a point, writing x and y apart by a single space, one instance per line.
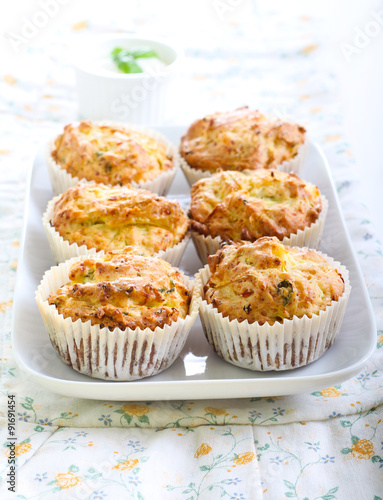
293 165
62 180
309 237
63 250
121 355
294 343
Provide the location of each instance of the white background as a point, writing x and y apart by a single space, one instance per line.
360 76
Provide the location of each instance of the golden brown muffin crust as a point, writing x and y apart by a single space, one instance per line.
251 204
124 289
107 218
110 154
266 281
239 140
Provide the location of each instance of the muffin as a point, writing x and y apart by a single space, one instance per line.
89 218
121 316
115 154
268 306
240 140
234 206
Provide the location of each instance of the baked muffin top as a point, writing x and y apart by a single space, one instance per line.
266 281
124 289
110 218
110 154
239 140
251 204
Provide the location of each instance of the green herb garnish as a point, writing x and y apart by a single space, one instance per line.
285 289
143 52
89 276
170 290
125 59
164 290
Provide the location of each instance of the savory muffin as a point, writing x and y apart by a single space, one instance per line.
123 289
251 204
110 154
111 218
120 316
272 307
234 206
242 139
267 281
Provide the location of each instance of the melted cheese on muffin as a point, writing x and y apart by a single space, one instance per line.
110 155
239 140
124 289
266 281
251 204
107 218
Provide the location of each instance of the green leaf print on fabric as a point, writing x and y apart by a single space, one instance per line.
219 462
279 455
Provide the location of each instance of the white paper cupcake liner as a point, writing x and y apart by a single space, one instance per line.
296 342
193 174
62 180
121 355
294 165
309 237
63 250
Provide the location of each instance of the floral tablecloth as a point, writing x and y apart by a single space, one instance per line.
327 444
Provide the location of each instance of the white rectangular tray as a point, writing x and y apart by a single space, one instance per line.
198 373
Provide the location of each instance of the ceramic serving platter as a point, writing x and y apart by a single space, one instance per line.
198 373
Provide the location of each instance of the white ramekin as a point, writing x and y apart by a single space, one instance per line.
140 98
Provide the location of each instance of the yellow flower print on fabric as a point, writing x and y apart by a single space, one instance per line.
5 305
363 449
204 449
330 392
215 411
67 480
127 465
136 410
132 411
81 25
333 138
244 458
9 79
22 448
309 48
